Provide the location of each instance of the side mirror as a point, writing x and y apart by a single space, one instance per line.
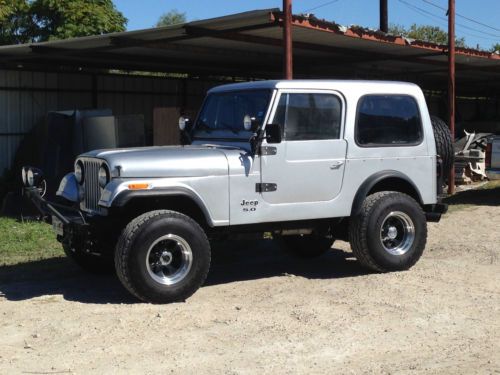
273 133
184 123
185 128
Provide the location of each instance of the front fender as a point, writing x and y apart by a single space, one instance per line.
119 192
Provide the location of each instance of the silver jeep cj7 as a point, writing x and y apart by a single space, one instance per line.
307 161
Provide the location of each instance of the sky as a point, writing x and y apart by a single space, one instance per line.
144 13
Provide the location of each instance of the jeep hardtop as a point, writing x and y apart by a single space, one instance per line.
303 161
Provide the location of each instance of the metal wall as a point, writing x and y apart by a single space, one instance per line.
26 97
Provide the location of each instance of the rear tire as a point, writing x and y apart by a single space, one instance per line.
390 232
162 257
307 246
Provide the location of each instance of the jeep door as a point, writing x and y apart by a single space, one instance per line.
308 164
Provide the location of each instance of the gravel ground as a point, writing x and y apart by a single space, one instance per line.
264 312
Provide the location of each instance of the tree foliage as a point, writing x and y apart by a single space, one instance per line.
172 17
40 20
426 33
495 47
60 19
14 22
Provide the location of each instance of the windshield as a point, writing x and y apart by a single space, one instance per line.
222 114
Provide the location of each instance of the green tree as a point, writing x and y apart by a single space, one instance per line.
15 25
426 33
23 21
60 19
172 17
495 47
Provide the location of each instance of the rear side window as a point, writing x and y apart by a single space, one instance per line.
388 120
308 116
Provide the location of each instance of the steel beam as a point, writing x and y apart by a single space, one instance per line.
287 39
384 18
451 84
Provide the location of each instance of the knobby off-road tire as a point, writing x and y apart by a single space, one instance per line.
91 263
162 256
385 215
307 246
444 144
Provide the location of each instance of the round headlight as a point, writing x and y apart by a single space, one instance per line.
79 172
103 176
23 176
30 178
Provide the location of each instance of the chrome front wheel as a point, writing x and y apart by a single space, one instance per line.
169 259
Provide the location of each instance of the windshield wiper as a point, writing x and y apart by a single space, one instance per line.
229 127
202 125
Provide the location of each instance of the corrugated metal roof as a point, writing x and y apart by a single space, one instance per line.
249 45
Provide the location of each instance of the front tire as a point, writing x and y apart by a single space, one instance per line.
162 257
390 232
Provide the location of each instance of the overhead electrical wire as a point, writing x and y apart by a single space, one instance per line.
321 5
459 25
445 19
462 16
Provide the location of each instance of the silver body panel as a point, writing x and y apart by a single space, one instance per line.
315 179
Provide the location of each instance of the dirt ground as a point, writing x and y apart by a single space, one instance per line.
262 311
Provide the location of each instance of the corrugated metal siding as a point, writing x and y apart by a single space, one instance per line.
26 97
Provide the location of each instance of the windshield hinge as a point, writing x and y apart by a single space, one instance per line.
268 150
265 187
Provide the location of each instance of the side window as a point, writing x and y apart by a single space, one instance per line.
309 116
388 120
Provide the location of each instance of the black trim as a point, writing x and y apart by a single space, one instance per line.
265 187
126 196
433 212
371 181
381 145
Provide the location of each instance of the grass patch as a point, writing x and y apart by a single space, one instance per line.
25 242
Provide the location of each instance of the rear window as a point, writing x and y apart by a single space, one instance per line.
388 120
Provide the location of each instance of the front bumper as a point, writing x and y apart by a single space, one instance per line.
66 214
69 223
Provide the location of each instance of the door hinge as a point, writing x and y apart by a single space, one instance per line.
265 187
268 150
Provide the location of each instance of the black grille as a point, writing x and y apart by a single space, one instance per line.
92 190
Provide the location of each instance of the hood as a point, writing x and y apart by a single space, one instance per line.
166 161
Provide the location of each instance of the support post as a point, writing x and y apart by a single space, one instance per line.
384 18
94 90
451 84
287 39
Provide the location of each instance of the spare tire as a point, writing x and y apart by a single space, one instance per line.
444 144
